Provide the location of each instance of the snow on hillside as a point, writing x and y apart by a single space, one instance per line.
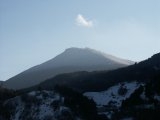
110 100
114 95
39 105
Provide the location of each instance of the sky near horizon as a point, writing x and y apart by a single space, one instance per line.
34 31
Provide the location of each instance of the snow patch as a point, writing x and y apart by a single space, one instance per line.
112 96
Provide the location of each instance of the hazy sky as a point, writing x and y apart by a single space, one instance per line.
33 31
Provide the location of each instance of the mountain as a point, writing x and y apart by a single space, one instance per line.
71 60
146 70
130 93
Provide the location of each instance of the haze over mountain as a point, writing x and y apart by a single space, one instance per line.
71 60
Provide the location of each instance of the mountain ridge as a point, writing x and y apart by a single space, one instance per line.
143 71
71 60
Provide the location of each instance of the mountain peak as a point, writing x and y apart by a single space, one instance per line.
72 48
78 49
95 55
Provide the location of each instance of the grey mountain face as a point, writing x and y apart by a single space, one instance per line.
1 83
71 60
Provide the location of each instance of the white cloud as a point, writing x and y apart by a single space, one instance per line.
82 21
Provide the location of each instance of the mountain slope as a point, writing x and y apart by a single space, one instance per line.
71 60
126 93
144 71
1 82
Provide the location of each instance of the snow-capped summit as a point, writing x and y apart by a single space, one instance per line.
71 60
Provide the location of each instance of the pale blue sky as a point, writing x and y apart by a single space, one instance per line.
33 31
